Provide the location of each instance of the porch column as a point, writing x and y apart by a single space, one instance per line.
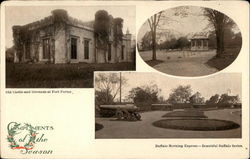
195 45
202 44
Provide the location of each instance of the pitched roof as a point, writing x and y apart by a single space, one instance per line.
201 35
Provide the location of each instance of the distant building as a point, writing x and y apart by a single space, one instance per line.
231 98
199 42
60 38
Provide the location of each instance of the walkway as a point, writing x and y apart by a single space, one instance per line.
183 63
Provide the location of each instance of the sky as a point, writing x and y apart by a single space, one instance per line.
21 15
208 86
194 22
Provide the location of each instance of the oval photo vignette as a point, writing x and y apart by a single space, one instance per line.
189 41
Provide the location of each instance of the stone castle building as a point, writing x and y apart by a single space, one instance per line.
60 38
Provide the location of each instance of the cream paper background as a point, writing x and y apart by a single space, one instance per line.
72 115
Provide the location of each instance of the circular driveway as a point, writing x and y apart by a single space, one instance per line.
144 128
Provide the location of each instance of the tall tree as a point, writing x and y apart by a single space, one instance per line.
181 94
226 99
213 99
197 98
102 25
144 95
164 18
109 84
219 22
212 40
153 23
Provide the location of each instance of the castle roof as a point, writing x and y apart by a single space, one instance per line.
49 20
59 15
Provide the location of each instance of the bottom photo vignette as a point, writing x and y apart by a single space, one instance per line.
150 105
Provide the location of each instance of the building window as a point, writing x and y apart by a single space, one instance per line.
46 48
73 48
86 49
122 52
109 52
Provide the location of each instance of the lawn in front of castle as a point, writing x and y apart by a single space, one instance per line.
80 75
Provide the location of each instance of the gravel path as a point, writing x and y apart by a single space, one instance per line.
183 63
145 129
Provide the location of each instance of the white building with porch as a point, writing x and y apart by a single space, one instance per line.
199 42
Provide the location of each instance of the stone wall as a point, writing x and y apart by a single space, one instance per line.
60 43
80 34
28 42
127 42
45 33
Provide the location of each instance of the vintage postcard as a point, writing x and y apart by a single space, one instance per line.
125 79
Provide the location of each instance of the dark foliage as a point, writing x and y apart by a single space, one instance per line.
181 94
220 22
197 98
60 15
57 75
226 99
102 26
117 29
102 97
213 99
222 62
144 96
146 43
153 63
182 43
10 54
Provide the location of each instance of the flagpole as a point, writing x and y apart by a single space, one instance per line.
120 87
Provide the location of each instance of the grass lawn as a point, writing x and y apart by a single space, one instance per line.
57 75
176 55
181 62
98 126
238 113
196 124
192 120
223 62
152 63
186 113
